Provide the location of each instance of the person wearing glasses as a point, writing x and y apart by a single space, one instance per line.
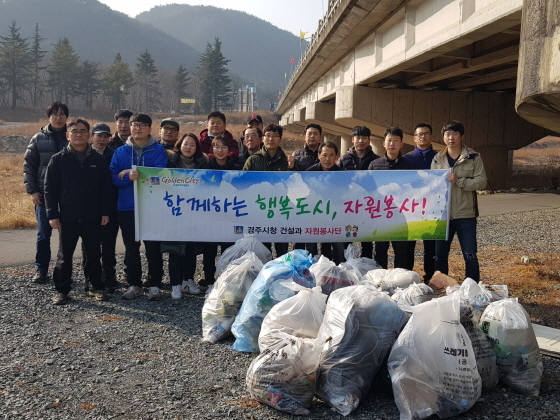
252 143
168 133
270 158
141 149
78 200
421 158
42 146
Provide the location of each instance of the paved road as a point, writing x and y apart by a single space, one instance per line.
18 246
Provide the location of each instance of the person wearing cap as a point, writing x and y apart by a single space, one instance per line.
122 118
109 232
168 133
253 121
216 126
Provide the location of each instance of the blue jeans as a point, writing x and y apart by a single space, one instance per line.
44 233
466 233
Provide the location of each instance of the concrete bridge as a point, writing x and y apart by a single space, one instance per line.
382 63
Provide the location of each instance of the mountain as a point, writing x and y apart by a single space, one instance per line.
95 31
259 51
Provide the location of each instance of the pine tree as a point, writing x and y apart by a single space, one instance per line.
37 55
147 79
214 81
15 62
117 82
182 81
63 71
89 82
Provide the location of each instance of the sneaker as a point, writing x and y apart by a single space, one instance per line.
190 287
99 295
154 293
61 299
208 290
40 277
176 292
132 293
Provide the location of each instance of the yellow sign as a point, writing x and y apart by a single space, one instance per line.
188 101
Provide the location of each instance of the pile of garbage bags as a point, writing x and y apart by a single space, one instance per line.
331 331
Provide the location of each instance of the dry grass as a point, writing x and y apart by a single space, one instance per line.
16 208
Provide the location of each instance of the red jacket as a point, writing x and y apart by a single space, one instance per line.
206 144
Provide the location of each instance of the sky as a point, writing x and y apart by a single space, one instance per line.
291 15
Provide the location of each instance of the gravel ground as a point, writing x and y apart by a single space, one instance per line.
144 360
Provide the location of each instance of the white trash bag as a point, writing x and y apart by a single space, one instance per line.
413 295
359 265
359 328
331 277
284 375
225 299
241 247
391 279
432 364
299 316
509 328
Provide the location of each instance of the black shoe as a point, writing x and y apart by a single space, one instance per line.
61 299
99 295
40 278
111 287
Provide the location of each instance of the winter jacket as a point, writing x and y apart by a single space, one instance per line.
174 160
351 162
78 192
108 157
317 167
419 159
152 155
206 144
40 150
383 164
116 142
470 177
261 161
305 158
213 164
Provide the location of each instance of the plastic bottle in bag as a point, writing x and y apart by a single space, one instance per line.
331 277
509 328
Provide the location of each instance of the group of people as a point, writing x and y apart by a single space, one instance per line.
81 182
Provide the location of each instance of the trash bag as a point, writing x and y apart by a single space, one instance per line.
519 362
298 316
359 328
241 247
284 375
331 277
225 299
432 364
359 265
479 295
413 295
390 279
278 280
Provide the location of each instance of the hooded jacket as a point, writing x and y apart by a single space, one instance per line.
150 154
471 177
78 192
351 162
116 141
262 161
206 144
41 148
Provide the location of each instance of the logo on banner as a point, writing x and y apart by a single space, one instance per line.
238 230
154 180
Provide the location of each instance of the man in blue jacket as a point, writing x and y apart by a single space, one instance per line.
421 158
141 149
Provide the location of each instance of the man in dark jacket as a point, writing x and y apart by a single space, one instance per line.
122 117
421 158
168 133
358 158
100 139
77 191
253 121
270 158
216 126
41 148
404 250
252 143
304 159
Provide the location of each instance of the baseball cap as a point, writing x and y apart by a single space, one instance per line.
101 128
254 117
170 121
